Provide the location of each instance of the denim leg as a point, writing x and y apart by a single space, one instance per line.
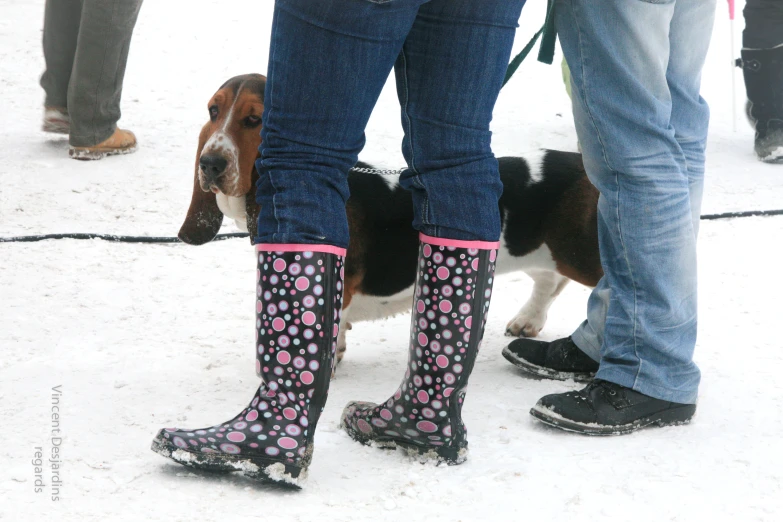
690 113
589 336
328 62
449 74
619 56
690 119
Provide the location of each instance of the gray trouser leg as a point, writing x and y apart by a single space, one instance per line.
95 87
61 31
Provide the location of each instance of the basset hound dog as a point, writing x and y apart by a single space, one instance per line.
548 211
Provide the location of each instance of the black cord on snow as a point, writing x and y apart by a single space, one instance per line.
220 237
742 214
111 237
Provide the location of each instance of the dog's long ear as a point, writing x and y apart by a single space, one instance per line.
204 217
251 207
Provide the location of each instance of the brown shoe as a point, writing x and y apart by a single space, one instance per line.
121 142
56 120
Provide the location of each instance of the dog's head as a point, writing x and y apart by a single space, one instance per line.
225 160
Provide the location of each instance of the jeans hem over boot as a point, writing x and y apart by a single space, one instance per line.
586 344
629 379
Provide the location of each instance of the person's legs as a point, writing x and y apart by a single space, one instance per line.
762 64
95 86
620 58
763 24
320 92
60 33
298 303
328 63
449 74
633 63
690 120
690 115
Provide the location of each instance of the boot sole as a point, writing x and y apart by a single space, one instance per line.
86 154
262 469
679 416
432 454
546 373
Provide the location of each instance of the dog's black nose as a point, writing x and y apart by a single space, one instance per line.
212 166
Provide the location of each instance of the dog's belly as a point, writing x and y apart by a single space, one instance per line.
370 308
539 259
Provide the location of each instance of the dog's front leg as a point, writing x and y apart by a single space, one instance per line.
531 319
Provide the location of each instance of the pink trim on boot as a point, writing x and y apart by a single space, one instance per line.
458 243
275 247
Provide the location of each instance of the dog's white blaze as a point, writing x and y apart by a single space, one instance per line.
234 208
221 142
535 161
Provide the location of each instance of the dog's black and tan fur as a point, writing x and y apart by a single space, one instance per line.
548 212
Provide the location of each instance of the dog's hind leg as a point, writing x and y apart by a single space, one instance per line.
530 320
345 325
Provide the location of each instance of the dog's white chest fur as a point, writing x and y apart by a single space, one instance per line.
234 208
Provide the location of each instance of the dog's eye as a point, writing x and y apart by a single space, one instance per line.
252 121
213 112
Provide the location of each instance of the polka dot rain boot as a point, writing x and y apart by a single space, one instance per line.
453 291
299 300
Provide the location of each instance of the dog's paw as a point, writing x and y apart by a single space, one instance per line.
341 346
339 355
524 325
337 360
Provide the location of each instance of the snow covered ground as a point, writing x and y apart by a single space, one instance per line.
141 337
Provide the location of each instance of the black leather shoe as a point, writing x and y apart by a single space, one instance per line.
560 360
606 408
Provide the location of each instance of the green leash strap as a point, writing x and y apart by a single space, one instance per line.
546 52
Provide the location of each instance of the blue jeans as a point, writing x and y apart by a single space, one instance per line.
636 72
328 62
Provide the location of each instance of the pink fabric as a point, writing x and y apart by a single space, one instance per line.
326 249
437 241
731 9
